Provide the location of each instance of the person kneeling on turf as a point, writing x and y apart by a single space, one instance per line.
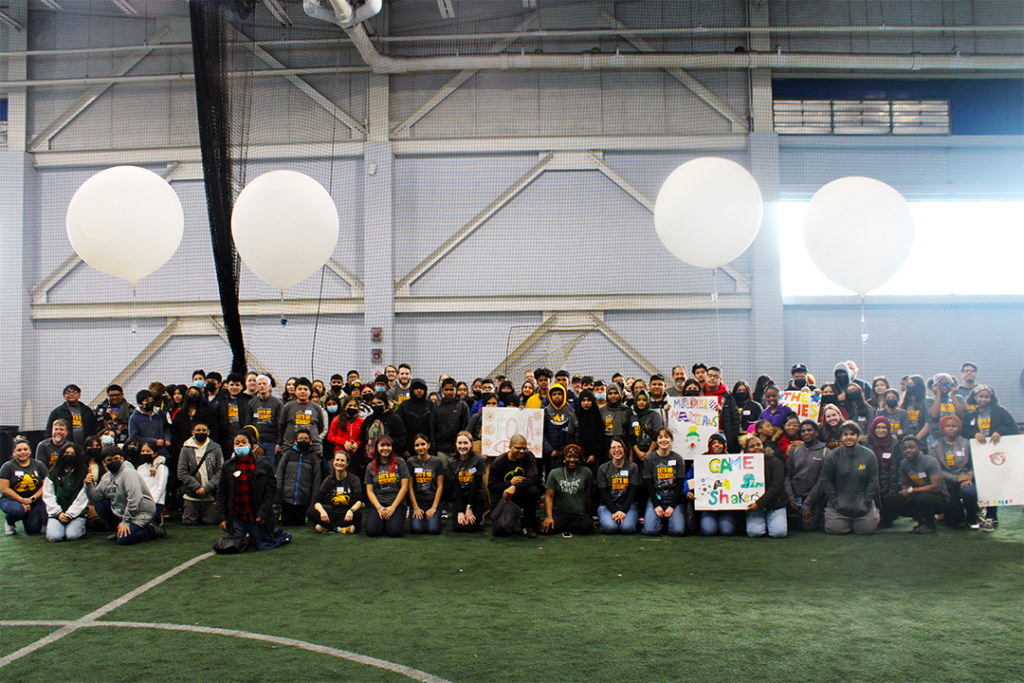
245 496
850 478
567 497
122 500
514 477
923 494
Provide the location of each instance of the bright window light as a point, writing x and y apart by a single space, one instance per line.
959 248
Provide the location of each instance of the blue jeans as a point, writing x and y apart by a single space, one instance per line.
610 526
136 533
269 453
57 530
713 522
772 522
653 524
33 520
253 530
430 526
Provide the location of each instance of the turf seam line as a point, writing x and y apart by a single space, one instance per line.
409 672
96 614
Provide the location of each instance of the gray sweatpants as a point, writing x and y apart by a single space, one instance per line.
836 523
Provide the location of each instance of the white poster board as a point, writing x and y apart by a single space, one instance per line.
999 471
803 403
501 424
692 420
727 482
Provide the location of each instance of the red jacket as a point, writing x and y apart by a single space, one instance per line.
342 430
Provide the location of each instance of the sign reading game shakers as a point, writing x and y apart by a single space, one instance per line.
803 403
501 424
692 420
727 482
999 471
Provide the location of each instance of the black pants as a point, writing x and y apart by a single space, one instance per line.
796 518
478 513
921 506
394 526
574 524
337 517
293 515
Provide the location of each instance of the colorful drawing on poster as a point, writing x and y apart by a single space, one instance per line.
501 424
727 482
692 420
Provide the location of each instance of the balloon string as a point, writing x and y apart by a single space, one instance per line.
863 332
284 320
135 309
718 320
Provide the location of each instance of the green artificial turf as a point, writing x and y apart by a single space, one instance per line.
895 606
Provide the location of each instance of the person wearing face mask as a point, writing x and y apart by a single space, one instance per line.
418 413
21 489
830 397
344 433
302 413
114 413
94 462
366 392
245 496
507 395
298 475
123 501
915 403
130 450
194 411
590 432
750 410
199 466
150 423
899 421
618 418
382 422
856 407
213 391
798 379
336 390
65 497
153 472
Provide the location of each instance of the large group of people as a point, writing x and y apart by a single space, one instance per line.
390 456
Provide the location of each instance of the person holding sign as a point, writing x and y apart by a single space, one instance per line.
566 499
953 453
663 475
923 494
617 483
849 476
713 522
514 477
466 474
767 514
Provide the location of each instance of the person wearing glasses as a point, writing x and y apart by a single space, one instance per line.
79 416
944 403
969 373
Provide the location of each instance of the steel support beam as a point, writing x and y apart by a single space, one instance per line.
355 283
158 342
739 123
403 129
402 286
42 140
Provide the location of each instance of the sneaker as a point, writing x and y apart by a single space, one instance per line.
924 529
444 514
988 525
157 531
530 532
9 529
319 529
350 529
976 526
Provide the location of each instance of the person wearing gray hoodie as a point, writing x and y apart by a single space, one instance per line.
122 500
849 476
803 479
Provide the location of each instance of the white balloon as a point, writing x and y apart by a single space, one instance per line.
125 221
708 211
859 232
285 226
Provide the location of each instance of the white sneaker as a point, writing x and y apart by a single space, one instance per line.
988 525
319 529
9 529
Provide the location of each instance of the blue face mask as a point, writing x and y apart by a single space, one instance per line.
599 397
332 409
199 384
107 440
241 451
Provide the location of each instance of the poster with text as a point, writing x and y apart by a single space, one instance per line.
999 471
803 403
501 424
727 482
692 420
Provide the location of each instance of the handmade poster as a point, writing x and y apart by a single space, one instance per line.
692 420
803 403
501 424
999 471
727 482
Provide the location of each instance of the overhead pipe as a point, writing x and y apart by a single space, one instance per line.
384 64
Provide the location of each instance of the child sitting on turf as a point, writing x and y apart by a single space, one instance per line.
339 500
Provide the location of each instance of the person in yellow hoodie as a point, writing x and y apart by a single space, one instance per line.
539 398
560 426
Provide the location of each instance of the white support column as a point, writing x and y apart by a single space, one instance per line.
378 230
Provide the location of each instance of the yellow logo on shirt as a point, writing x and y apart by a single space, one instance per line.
264 414
860 467
303 418
341 497
918 479
465 477
232 411
27 483
620 483
76 420
608 422
424 477
913 414
387 478
984 423
666 473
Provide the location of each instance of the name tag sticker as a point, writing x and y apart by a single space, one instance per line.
671 462
472 470
623 473
238 473
886 456
418 470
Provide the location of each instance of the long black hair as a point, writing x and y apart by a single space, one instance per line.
59 473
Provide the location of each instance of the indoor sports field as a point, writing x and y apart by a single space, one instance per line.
891 607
